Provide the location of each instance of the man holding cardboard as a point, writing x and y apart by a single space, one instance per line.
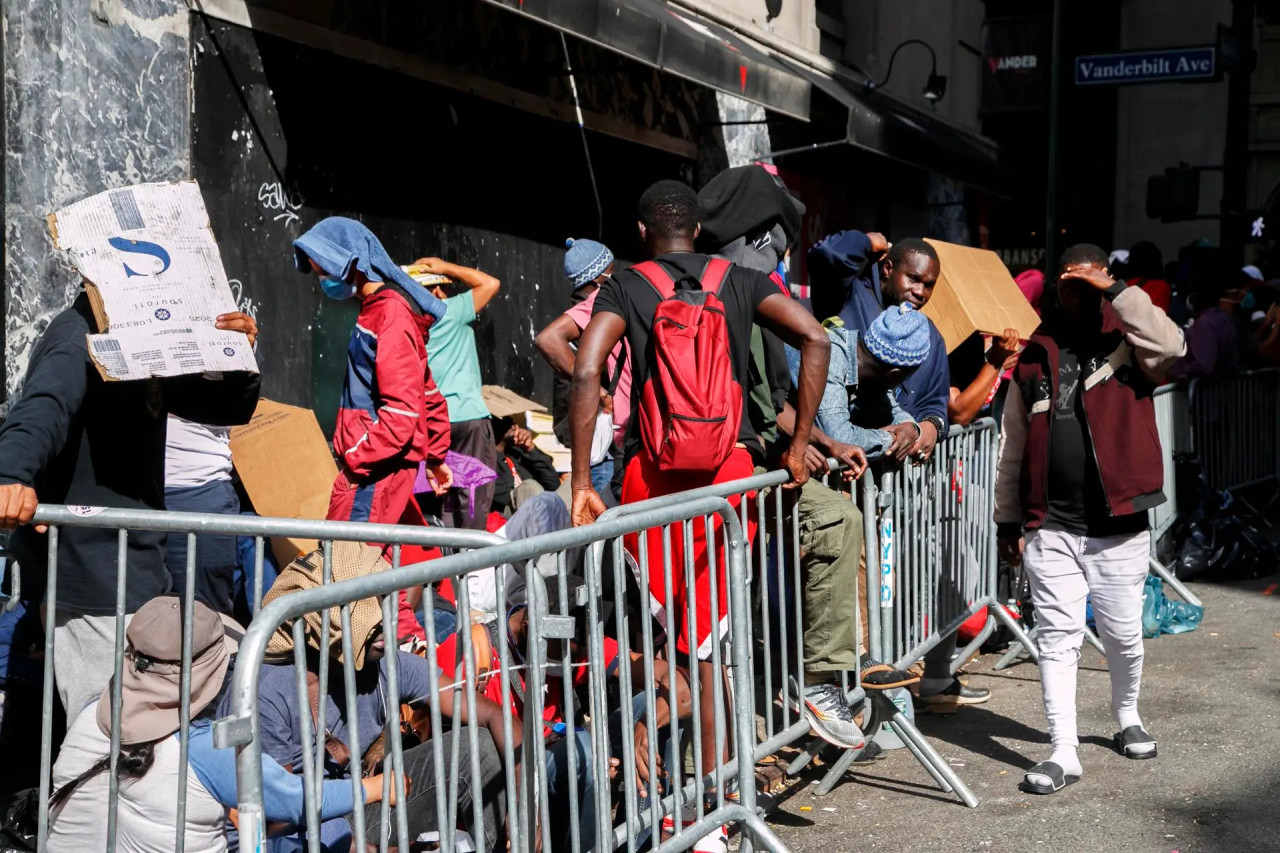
154 331
76 438
854 276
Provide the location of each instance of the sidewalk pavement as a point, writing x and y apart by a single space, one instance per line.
1211 698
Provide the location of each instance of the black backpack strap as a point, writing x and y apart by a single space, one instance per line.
619 366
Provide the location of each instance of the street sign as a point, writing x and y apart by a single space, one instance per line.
1147 66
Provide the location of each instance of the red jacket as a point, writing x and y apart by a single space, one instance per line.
391 412
1137 344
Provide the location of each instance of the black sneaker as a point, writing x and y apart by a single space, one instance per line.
883 676
950 700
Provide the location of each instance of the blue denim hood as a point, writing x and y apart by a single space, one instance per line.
338 245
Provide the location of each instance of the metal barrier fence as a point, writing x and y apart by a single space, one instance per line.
1173 427
1235 427
192 524
589 809
929 563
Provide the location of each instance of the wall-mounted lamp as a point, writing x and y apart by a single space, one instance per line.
934 88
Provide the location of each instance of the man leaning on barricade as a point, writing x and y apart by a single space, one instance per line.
857 403
72 437
691 316
855 275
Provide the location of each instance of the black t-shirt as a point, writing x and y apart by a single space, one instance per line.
1077 504
630 297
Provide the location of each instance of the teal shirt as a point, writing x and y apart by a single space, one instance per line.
451 353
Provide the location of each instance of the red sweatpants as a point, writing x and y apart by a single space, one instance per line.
642 481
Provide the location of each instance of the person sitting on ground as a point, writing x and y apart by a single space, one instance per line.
149 757
563 710
523 469
280 717
587 265
1079 468
626 306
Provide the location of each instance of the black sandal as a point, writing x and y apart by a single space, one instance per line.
1132 737
1053 772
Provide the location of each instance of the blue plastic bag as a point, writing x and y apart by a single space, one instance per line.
1160 615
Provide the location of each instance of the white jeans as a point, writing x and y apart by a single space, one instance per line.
1063 569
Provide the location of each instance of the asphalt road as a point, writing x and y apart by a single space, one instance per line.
1211 698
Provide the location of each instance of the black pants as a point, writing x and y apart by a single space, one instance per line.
465 508
419 764
216 556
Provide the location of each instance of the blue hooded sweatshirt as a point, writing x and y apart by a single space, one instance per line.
338 245
844 283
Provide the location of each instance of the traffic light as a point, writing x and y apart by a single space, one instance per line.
1175 195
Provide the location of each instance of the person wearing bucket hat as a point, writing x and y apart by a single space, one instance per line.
149 759
587 265
280 714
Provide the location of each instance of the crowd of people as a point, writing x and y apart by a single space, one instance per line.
693 367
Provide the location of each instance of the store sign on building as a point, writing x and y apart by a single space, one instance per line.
1148 66
1013 65
1025 258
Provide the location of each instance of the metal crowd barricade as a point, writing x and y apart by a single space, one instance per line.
935 568
59 518
1172 425
776 662
1235 427
879 526
529 813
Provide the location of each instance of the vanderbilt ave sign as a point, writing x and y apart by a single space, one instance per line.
1147 66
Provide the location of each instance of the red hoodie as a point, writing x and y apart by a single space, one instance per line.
391 410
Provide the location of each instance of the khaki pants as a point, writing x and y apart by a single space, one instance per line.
830 553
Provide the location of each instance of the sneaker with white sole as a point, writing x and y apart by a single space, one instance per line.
716 841
829 714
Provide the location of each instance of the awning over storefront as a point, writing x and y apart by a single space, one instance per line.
655 33
886 126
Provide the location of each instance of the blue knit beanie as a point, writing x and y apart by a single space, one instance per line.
585 261
899 337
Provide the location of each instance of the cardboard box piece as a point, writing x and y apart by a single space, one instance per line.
155 280
976 293
286 467
503 402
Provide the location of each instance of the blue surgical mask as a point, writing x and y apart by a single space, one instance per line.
336 288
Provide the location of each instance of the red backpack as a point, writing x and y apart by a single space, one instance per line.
691 406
